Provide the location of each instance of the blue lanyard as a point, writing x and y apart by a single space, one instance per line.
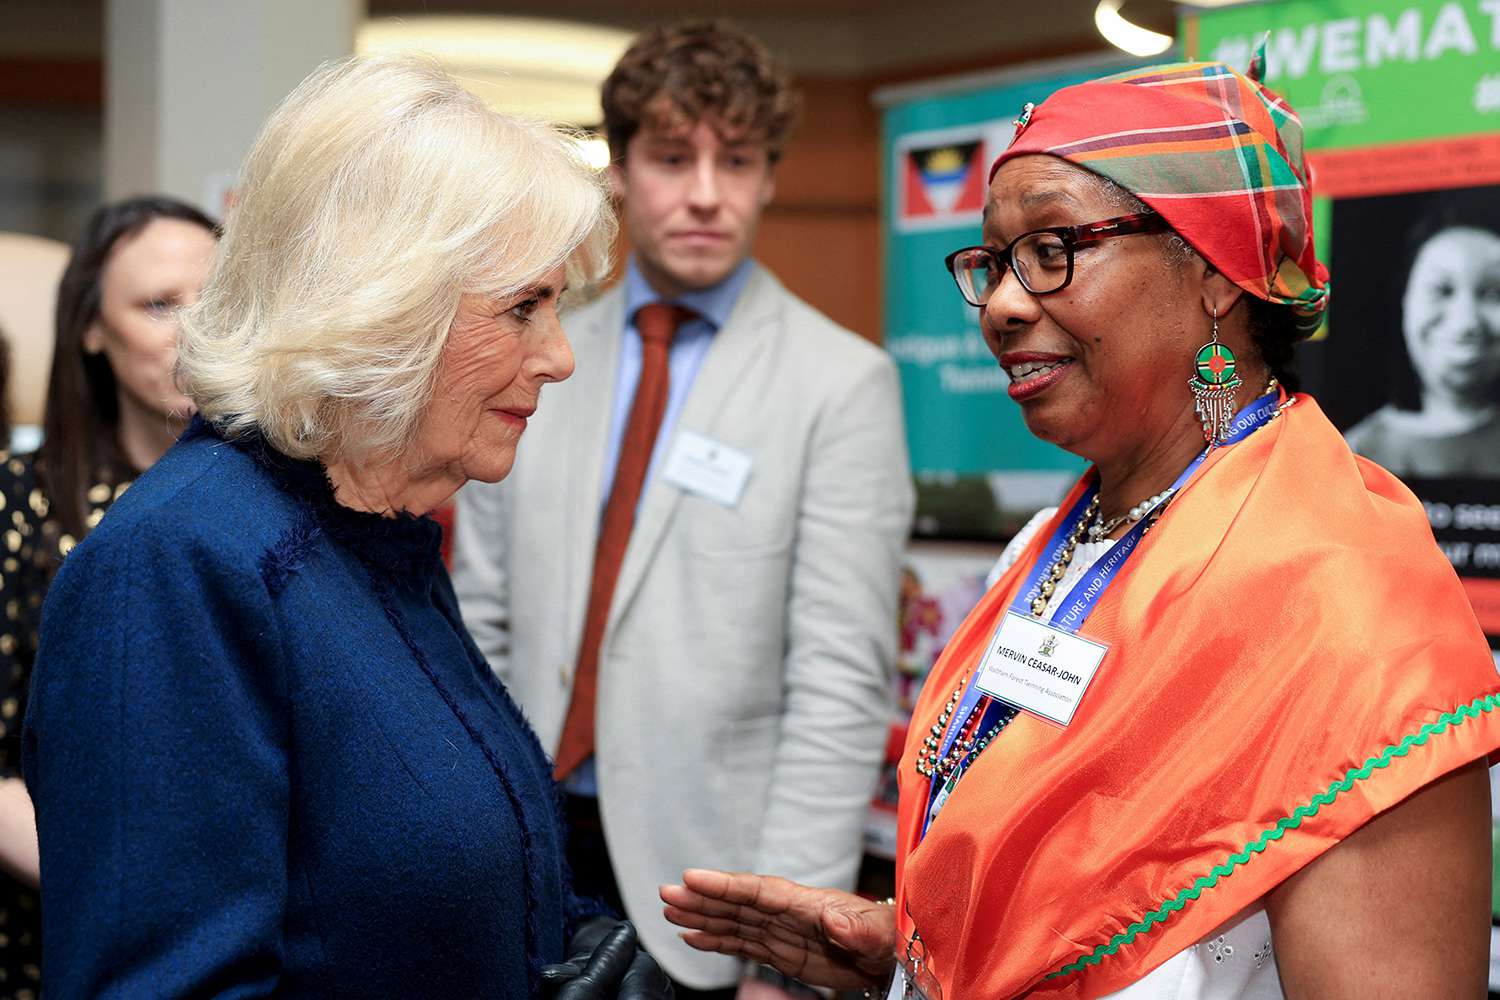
1080 601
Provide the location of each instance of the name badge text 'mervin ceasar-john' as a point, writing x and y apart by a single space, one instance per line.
1039 668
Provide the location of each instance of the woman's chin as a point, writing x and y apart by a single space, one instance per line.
1055 425
493 467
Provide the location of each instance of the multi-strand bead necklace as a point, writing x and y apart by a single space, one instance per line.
932 763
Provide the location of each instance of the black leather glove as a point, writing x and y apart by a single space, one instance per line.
606 963
589 936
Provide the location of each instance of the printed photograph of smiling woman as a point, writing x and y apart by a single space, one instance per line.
1413 371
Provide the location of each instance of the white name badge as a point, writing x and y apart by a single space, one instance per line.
703 466
1039 668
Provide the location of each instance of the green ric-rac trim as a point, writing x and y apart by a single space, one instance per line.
1151 920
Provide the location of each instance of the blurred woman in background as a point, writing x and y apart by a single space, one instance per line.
112 411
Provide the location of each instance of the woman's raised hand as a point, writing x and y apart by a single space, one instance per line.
822 937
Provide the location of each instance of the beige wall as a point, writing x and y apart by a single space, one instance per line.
822 233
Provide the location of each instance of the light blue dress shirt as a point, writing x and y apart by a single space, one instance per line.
712 307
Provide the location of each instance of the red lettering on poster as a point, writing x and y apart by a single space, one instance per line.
1401 167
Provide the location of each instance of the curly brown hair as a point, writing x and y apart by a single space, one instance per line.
677 75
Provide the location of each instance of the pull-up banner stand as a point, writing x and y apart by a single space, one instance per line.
980 473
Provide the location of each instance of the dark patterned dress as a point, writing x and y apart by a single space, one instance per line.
32 546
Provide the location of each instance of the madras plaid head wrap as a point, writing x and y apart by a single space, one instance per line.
1214 152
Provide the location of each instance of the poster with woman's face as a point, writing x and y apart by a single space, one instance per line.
1410 369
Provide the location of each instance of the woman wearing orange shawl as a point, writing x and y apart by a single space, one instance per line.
1219 729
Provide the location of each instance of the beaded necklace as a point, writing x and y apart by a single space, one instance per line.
1101 528
1063 559
930 762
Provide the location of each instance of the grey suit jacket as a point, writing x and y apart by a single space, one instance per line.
742 695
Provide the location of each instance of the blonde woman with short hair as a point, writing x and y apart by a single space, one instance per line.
275 762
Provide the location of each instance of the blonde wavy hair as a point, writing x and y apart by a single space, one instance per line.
376 194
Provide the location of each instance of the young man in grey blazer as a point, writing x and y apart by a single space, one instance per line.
689 580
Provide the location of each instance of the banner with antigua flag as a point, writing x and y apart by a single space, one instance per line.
979 473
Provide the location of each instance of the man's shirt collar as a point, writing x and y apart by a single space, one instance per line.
713 304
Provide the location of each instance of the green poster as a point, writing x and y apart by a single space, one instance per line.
1368 72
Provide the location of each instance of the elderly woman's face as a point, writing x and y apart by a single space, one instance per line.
1451 313
1088 363
146 279
499 354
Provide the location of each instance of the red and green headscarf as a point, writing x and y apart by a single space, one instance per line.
1214 152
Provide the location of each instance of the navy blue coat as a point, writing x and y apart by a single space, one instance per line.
267 759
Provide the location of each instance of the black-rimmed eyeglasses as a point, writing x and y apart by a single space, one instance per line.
1042 258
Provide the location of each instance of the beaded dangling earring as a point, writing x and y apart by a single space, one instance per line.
1213 385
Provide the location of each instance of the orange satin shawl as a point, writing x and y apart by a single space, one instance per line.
1288 620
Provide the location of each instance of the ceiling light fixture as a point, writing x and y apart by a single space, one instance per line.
1123 34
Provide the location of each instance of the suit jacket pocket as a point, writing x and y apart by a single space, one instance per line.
758 526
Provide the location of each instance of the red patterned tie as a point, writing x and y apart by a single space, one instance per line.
656 323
